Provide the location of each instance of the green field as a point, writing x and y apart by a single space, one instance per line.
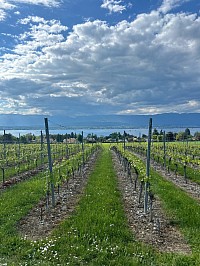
97 232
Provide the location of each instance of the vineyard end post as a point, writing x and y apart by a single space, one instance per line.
148 167
50 161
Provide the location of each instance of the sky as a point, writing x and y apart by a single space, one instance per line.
97 57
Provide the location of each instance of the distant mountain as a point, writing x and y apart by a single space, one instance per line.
105 121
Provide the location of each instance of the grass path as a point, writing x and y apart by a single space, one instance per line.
98 233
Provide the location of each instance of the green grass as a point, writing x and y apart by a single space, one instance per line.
191 173
157 155
15 202
184 210
97 233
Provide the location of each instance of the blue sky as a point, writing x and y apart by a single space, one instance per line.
82 57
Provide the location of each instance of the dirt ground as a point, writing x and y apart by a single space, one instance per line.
154 229
159 232
20 177
43 218
191 188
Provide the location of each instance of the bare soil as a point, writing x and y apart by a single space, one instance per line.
159 232
190 187
43 218
21 177
155 230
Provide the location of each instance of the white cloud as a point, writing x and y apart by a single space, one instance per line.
191 106
2 15
168 5
114 6
149 65
6 5
42 34
17 13
48 3
32 19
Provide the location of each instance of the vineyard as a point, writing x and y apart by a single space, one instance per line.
131 203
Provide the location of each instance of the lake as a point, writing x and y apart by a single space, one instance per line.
98 131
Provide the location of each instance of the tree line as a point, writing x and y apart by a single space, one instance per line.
113 137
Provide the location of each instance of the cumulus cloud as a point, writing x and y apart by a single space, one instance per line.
168 5
42 34
6 5
149 65
114 6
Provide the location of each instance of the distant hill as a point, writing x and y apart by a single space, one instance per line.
105 121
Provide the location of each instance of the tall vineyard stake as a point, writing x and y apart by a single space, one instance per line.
50 161
41 147
164 148
124 140
4 144
67 149
19 151
83 149
148 167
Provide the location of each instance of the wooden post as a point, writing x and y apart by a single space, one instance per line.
124 140
4 144
3 174
41 147
19 154
185 172
67 150
141 189
83 149
148 167
19 151
164 149
50 161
